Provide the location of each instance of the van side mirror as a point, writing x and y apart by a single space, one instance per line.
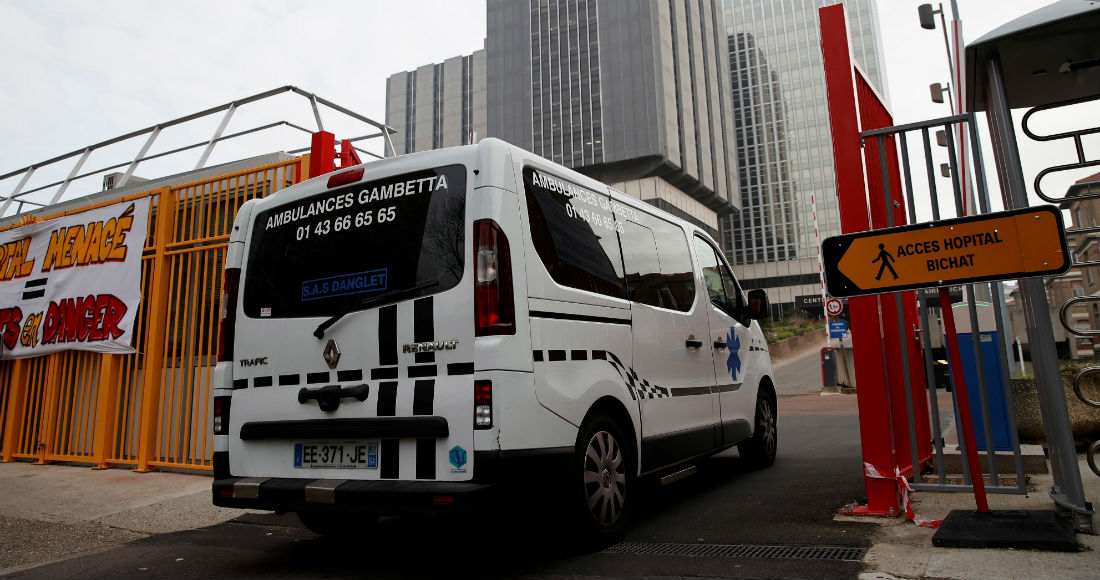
758 304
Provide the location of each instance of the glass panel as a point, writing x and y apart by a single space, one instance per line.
574 233
320 255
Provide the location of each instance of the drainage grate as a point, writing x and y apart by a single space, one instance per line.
739 551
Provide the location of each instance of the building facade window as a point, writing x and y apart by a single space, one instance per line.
565 110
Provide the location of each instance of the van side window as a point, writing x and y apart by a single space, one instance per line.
721 285
658 264
575 233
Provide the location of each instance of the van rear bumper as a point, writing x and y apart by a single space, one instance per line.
529 474
381 497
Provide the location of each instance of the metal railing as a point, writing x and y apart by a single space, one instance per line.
19 196
883 140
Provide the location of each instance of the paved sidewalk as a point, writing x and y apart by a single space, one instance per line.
50 513
902 549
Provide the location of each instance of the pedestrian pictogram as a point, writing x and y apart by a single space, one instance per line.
885 258
997 246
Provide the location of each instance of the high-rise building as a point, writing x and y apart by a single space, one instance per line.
782 141
634 93
438 105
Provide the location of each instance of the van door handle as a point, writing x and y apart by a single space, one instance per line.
719 344
692 343
328 397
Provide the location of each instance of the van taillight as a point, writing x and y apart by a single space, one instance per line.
230 283
221 415
483 404
494 309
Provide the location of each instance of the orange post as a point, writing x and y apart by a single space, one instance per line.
156 323
106 412
17 399
51 400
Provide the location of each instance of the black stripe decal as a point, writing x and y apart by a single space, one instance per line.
556 355
317 378
370 428
34 294
460 369
390 459
387 399
599 355
387 335
578 354
729 388
349 375
579 317
423 397
34 283
690 391
419 371
424 326
289 379
383 374
261 382
425 458
537 355
240 383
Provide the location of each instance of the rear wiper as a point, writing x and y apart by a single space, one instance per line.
319 332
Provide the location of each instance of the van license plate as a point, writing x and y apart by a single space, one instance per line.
344 455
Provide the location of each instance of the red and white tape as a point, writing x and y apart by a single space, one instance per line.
870 471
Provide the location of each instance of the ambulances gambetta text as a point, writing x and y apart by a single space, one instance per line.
436 330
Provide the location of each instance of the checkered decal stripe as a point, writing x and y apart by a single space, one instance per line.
638 387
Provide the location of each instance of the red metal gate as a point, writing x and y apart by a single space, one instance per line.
884 326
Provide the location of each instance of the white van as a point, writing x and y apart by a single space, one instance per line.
418 333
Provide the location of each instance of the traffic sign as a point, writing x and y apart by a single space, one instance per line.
834 306
838 328
997 246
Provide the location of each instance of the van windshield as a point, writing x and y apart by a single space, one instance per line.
322 254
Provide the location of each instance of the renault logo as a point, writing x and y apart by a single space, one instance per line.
331 354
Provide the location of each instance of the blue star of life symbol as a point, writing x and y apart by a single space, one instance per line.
733 344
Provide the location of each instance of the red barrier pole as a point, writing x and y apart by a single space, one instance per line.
965 423
875 430
322 154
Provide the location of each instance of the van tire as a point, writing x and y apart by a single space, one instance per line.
602 482
758 451
338 525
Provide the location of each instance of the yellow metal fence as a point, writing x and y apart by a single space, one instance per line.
152 408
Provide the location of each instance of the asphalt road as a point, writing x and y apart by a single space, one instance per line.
727 521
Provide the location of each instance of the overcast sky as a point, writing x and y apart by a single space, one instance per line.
77 72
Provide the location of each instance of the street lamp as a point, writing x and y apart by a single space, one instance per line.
927 15
928 22
937 90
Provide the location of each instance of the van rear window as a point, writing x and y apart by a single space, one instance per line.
327 252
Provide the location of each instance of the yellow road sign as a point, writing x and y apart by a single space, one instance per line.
997 246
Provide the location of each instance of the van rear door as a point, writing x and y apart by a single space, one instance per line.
354 338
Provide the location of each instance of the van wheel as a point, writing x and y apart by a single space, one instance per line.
338 525
759 450
603 481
